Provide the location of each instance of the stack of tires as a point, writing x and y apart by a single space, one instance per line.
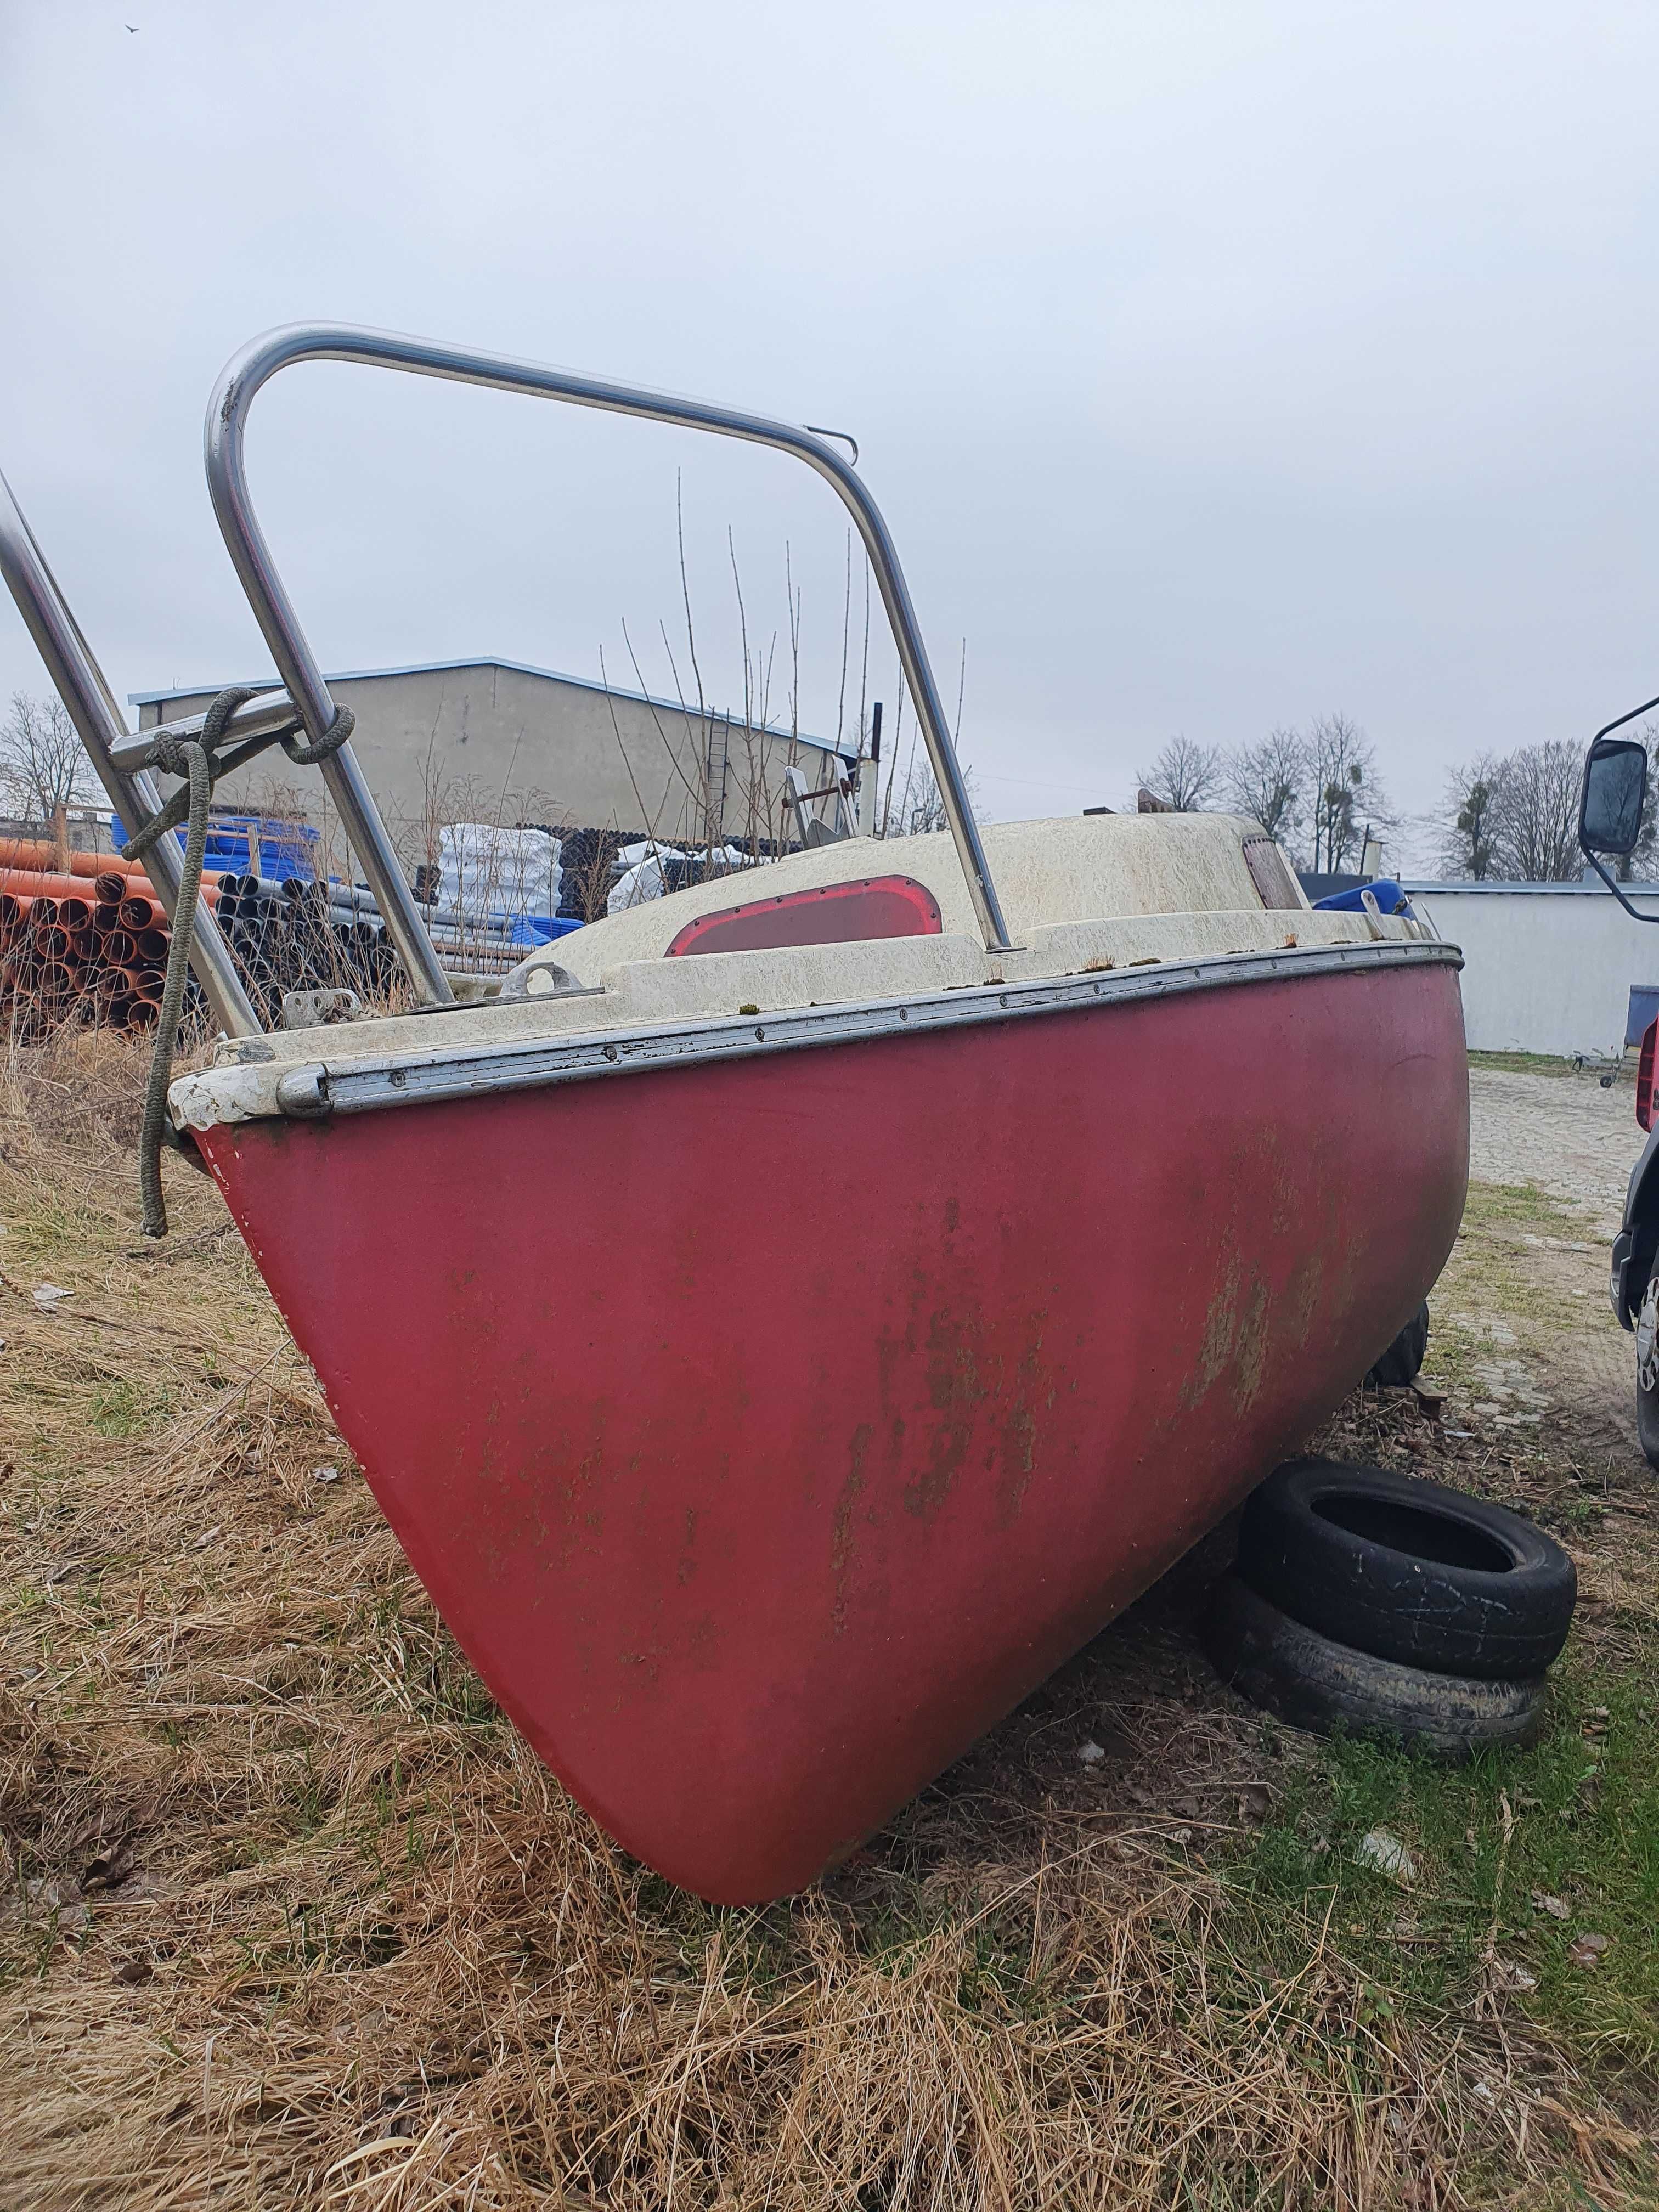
1401 1363
1369 1601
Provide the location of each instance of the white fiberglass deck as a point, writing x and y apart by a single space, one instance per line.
1096 896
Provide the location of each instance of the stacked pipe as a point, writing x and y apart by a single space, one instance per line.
297 936
87 939
292 935
83 936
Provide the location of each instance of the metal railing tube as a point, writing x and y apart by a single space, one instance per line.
359 816
227 422
100 726
254 717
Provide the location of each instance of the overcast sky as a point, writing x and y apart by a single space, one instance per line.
1216 366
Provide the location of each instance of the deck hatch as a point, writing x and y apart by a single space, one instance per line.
1271 874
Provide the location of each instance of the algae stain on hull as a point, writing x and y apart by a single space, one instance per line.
1216 1345
956 1389
841 1545
1249 1361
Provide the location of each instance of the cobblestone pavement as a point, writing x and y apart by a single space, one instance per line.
1577 1142
1562 1132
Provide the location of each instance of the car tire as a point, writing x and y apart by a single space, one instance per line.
1406 1571
1402 1363
1647 1369
1313 1682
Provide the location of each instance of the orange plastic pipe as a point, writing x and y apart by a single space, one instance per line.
40 853
40 883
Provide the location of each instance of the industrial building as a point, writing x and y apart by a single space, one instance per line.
497 740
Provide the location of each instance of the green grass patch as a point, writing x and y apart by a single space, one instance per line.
1502 1265
1521 1206
134 1407
1582 1862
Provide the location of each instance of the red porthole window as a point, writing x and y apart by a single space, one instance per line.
831 913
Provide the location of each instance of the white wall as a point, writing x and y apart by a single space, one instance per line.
1548 966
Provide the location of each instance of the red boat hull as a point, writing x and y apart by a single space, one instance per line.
765 1430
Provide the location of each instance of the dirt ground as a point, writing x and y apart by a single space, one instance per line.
293 1919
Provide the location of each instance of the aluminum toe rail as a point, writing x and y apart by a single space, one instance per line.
226 424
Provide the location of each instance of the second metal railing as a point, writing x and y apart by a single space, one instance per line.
227 422
118 753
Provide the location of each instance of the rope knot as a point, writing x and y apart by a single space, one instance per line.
199 762
331 741
168 755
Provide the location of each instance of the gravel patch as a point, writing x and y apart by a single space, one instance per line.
1562 1132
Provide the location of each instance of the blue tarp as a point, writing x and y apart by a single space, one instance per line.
286 848
533 929
1389 897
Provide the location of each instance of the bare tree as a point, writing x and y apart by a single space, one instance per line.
42 765
1514 816
1639 864
1347 794
1185 775
1268 782
1537 813
1468 825
914 805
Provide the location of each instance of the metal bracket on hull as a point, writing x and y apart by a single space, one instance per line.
227 422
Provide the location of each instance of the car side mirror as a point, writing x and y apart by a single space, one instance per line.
1610 804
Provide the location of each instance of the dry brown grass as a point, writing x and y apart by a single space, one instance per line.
293 1918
